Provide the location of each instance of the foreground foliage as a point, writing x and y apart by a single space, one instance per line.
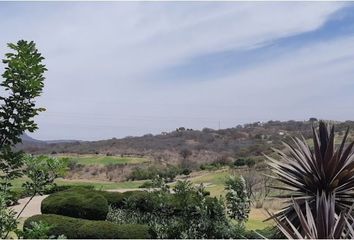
75 228
23 82
238 203
320 186
324 225
188 212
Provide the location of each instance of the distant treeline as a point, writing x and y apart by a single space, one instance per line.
205 145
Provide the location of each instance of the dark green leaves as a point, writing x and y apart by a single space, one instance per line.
237 201
23 82
42 171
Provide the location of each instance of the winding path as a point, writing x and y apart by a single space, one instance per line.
33 208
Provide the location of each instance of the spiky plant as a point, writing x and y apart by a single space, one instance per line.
326 224
306 173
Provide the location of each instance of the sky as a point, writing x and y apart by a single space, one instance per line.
118 69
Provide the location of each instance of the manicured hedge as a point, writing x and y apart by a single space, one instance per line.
117 199
60 188
75 228
77 202
18 193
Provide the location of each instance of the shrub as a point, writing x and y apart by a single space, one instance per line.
210 166
74 228
169 173
117 199
240 162
74 165
147 184
57 188
188 213
140 173
186 171
238 204
77 202
244 161
38 230
13 196
250 162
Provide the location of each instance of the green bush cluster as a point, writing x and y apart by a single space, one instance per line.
76 202
217 164
75 228
117 199
18 193
14 195
148 184
187 213
60 188
84 202
168 173
244 161
211 166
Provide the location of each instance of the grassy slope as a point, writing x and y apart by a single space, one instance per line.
105 160
101 184
215 181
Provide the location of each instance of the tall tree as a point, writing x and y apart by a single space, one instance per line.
22 83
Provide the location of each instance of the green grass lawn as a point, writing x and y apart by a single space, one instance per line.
214 181
104 160
217 179
256 219
254 224
102 184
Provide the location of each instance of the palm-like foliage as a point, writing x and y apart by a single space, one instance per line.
326 224
305 173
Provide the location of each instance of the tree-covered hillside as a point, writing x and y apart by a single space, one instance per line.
207 145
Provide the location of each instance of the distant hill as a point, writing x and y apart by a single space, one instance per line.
207 145
62 141
29 142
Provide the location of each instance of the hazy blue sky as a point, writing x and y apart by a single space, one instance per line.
119 68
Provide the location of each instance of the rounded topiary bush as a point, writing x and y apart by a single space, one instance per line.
60 188
119 200
115 199
79 203
74 228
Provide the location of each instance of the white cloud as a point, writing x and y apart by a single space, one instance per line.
99 55
311 81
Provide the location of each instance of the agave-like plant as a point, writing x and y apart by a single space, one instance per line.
326 224
307 173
